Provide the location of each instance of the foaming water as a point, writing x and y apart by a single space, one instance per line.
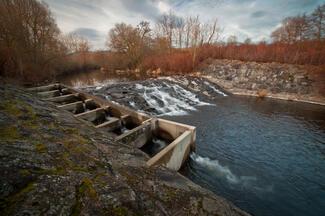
215 90
169 99
215 167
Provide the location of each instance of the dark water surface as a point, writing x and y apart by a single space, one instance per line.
266 156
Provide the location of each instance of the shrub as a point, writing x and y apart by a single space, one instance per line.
262 93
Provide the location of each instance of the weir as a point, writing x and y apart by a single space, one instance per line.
125 125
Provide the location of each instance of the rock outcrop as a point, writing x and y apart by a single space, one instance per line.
53 164
279 80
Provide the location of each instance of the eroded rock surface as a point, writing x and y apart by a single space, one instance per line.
53 164
284 80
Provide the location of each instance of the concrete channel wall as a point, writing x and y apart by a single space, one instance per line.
181 137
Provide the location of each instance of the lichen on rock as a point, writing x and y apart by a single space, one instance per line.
53 164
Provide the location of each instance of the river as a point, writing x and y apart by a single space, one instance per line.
266 156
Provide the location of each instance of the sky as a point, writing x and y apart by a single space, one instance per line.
255 19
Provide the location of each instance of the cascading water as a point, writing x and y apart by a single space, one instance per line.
166 97
266 156
169 99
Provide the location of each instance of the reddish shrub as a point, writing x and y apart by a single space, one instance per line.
303 53
179 62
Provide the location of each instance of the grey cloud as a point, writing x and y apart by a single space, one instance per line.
244 18
258 14
91 34
144 7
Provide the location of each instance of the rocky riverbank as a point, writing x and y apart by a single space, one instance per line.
282 81
53 164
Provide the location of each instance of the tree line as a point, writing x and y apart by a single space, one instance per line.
180 44
32 46
170 33
302 27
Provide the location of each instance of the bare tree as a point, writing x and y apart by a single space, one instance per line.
248 41
195 36
30 35
75 43
232 40
318 22
188 29
215 32
293 29
130 41
180 27
166 26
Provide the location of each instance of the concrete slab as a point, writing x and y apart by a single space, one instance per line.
51 87
92 114
112 124
175 154
63 98
75 107
49 94
138 136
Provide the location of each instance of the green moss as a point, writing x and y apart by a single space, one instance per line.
69 164
24 172
71 130
120 211
41 148
30 124
76 209
171 193
100 179
200 204
9 133
30 111
87 188
9 203
10 107
54 171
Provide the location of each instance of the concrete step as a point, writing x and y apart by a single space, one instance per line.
112 124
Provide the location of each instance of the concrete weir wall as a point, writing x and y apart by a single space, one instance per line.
126 126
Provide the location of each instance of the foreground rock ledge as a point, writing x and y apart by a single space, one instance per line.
53 164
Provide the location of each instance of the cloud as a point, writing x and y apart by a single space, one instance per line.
244 18
258 14
91 34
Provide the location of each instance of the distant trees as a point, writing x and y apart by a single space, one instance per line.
302 27
29 38
247 41
232 40
130 42
75 43
32 47
317 18
171 32
187 32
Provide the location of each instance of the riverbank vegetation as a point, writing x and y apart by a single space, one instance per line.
32 47
181 44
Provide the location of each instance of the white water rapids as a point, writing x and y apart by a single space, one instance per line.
169 99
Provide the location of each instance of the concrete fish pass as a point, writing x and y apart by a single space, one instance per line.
125 125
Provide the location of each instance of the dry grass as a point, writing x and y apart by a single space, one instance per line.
262 93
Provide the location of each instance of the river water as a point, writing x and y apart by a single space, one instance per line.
266 156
